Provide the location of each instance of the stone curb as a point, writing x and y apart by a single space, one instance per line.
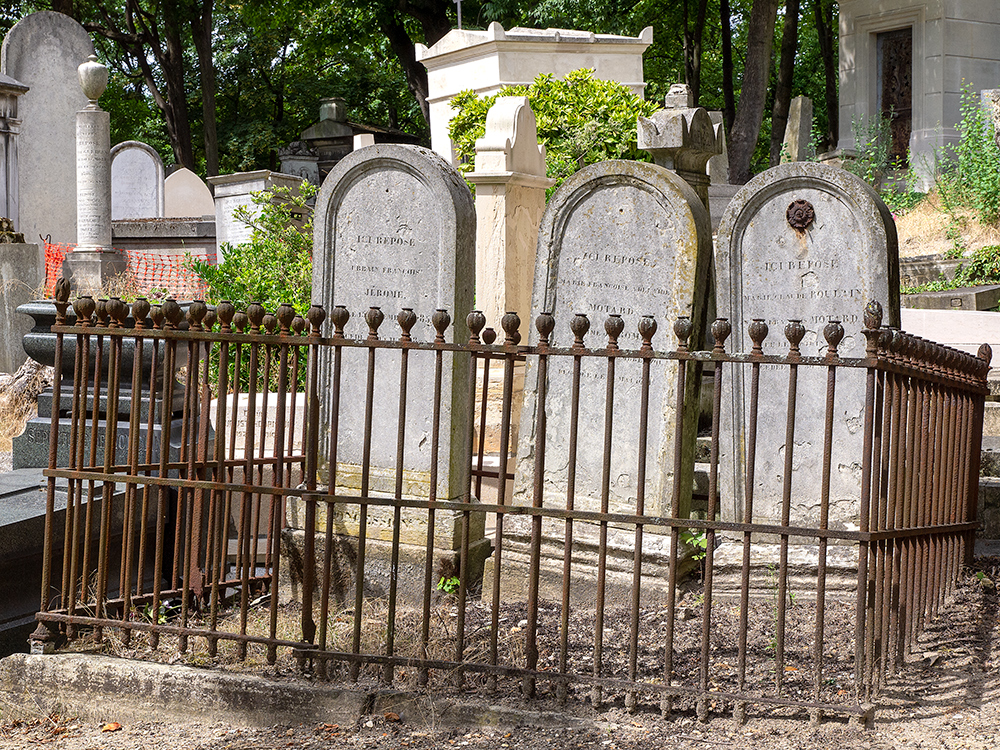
97 687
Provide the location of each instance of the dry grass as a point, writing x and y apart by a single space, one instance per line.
924 229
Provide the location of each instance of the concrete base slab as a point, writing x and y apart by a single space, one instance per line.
97 687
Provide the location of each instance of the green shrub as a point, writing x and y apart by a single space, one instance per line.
973 180
982 267
581 121
275 264
873 141
272 267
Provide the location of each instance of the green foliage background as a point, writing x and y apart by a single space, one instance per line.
581 120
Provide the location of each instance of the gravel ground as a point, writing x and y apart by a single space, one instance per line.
947 696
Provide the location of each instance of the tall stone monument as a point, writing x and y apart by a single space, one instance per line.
813 243
42 51
510 199
395 230
624 239
93 261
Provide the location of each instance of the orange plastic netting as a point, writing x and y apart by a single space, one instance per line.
150 274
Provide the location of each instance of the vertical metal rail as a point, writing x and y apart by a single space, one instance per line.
720 332
406 319
373 318
834 334
758 331
647 328
579 325
794 332
545 326
682 330
614 327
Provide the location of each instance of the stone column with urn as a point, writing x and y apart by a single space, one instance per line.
93 262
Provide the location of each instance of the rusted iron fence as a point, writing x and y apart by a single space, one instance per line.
201 522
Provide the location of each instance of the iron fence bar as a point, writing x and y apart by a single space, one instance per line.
833 333
544 326
284 316
43 634
647 328
794 332
222 499
579 325
510 324
374 318
613 326
440 320
682 330
873 320
720 332
758 332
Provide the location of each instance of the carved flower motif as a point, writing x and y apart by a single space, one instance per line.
800 215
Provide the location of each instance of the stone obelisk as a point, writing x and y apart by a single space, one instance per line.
93 262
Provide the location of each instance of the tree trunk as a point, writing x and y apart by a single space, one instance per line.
728 94
692 48
750 111
824 29
178 121
415 72
201 32
783 87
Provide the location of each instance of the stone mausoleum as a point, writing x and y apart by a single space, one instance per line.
487 60
909 60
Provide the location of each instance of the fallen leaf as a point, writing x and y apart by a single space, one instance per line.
390 716
111 726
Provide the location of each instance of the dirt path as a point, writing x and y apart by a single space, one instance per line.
948 696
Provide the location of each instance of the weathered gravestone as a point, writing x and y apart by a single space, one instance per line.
813 243
136 181
617 238
42 51
395 229
798 130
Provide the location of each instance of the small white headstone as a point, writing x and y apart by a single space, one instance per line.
136 182
185 194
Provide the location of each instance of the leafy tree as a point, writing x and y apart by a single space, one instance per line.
581 120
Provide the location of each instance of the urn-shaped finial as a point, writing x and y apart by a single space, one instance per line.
93 79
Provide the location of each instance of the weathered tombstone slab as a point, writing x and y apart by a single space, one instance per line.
798 130
22 272
395 228
185 194
814 243
136 181
42 51
629 239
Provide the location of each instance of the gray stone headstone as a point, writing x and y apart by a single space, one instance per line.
395 228
630 239
136 181
827 269
43 51
622 238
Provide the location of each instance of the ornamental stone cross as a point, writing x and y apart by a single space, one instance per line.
682 138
